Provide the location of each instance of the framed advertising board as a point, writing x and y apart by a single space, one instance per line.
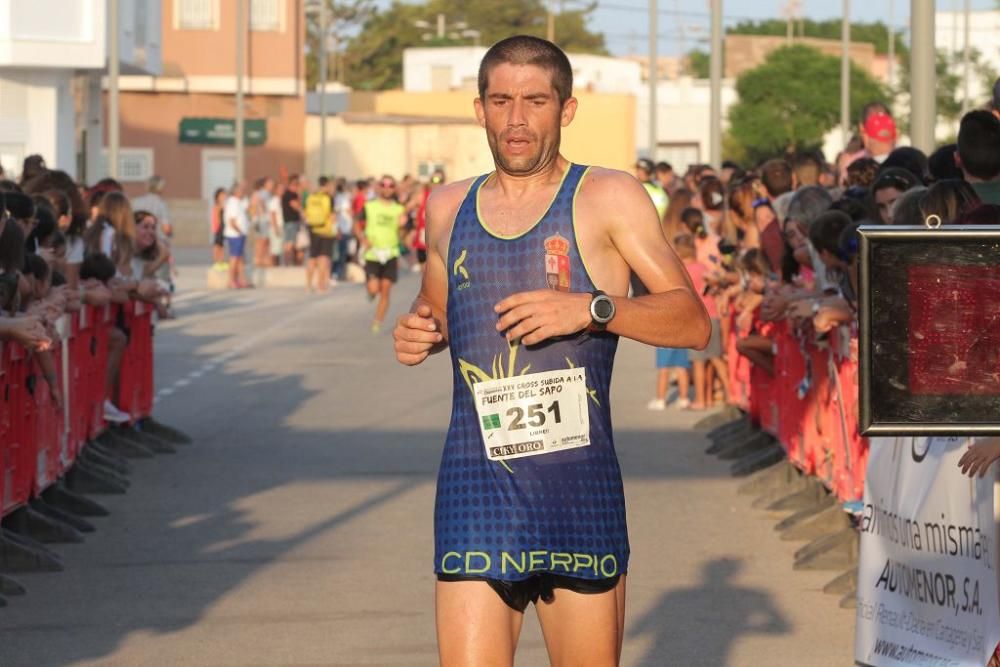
929 302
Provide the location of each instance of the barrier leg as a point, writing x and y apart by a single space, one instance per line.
164 432
10 586
726 415
95 453
813 522
759 460
85 477
58 495
62 516
768 498
739 448
813 494
21 554
36 525
147 440
830 552
842 584
130 449
776 476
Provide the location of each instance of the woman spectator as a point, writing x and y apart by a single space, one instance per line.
217 225
53 183
673 226
152 252
949 200
113 232
887 188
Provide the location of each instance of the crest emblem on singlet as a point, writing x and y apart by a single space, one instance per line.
557 271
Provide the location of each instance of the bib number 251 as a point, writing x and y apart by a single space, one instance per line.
536 413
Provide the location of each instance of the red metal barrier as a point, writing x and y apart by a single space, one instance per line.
810 405
39 440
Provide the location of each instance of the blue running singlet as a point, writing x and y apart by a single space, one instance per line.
561 512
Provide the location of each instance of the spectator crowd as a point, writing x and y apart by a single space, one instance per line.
778 240
63 246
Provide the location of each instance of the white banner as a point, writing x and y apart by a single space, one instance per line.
927 588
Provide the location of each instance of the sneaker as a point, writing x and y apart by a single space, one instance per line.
657 404
112 413
682 403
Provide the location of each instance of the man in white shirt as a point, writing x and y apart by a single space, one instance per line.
153 202
236 226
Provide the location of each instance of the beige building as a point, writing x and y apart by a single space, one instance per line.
400 132
180 125
745 52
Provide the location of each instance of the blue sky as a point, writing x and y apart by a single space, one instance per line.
624 22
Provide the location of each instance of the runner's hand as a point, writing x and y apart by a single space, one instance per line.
978 458
536 316
415 335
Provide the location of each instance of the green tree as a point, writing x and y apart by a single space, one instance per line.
343 18
374 57
791 101
696 64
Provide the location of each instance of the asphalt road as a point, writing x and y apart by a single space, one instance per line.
297 529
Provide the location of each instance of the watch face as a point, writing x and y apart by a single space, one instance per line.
604 308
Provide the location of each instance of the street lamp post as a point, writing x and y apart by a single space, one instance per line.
240 58
715 72
322 87
923 79
654 72
114 123
845 74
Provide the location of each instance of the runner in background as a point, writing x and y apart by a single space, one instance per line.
379 234
644 172
420 232
291 211
319 218
342 210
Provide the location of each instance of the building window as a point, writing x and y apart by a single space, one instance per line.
265 15
135 165
196 14
426 168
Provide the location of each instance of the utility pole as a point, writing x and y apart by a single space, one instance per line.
891 65
322 87
923 77
966 60
550 31
440 26
241 25
114 60
654 73
715 72
845 73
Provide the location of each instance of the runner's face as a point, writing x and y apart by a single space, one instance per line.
523 118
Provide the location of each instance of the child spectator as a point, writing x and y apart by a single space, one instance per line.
751 344
709 359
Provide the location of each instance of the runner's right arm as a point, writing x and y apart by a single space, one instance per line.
424 330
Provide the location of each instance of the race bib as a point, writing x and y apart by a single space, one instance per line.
533 414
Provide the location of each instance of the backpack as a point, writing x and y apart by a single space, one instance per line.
318 208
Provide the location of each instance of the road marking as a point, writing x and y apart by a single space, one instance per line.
210 364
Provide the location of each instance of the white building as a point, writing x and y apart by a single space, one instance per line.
439 69
52 54
984 37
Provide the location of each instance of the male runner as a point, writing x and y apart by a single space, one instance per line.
383 219
529 499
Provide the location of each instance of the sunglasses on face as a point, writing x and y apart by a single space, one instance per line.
387 185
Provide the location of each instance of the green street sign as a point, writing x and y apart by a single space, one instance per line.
222 131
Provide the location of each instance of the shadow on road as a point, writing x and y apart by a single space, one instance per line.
705 620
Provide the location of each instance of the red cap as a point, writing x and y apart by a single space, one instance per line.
881 126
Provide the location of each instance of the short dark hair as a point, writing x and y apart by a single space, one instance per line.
35 266
909 158
528 50
979 144
323 180
97 265
941 163
825 232
807 205
664 166
894 177
776 175
861 172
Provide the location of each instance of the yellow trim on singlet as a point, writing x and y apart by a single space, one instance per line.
447 243
548 208
576 235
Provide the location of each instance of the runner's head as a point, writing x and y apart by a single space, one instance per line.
644 169
387 188
525 98
979 146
